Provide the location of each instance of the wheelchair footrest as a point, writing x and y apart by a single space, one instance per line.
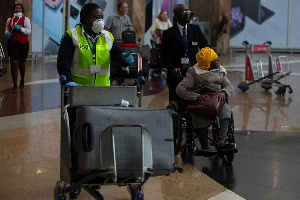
227 151
212 152
205 153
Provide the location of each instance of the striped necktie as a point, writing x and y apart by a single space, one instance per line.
186 44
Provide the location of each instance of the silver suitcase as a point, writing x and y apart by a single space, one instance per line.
92 121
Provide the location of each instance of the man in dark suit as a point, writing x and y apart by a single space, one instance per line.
176 57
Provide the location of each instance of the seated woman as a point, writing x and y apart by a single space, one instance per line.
207 72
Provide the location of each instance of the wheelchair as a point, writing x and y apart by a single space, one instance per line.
185 136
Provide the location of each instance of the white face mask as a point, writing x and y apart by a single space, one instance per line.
98 25
19 14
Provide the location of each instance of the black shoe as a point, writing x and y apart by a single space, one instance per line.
21 87
15 90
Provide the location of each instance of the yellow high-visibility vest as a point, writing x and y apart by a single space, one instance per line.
83 58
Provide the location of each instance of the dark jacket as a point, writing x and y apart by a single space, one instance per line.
66 53
173 49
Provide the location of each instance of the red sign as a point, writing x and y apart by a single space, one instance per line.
260 48
278 67
249 72
140 63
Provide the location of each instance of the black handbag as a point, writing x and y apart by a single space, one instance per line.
128 36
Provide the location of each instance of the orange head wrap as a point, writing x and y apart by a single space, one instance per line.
204 57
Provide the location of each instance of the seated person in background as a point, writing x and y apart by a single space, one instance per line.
160 24
209 72
119 21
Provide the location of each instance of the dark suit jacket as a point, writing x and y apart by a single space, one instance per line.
173 49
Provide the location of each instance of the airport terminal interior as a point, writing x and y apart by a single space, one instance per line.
266 125
267 134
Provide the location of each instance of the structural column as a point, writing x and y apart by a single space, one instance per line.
137 15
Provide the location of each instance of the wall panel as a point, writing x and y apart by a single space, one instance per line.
210 11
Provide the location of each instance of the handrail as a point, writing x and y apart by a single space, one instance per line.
34 55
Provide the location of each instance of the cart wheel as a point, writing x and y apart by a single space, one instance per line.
59 197
136 192
59 192
180 170
243 86
230 157
280 92
266 85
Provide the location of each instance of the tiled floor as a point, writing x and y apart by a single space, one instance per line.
267 132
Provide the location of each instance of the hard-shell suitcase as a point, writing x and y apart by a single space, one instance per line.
95 119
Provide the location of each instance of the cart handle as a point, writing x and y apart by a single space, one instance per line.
245 43
268 42
62 80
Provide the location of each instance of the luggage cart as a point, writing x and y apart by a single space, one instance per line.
271 80
133 71
2 56
92 156
155 62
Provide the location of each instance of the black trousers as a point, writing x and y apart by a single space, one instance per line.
172 84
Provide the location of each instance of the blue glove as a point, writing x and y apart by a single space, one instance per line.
127 57
8 35
72 84
17 27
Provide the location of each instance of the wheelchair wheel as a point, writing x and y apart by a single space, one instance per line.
177 126
230 138
187 155
184 153
230 133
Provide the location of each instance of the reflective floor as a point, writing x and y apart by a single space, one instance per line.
267 133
